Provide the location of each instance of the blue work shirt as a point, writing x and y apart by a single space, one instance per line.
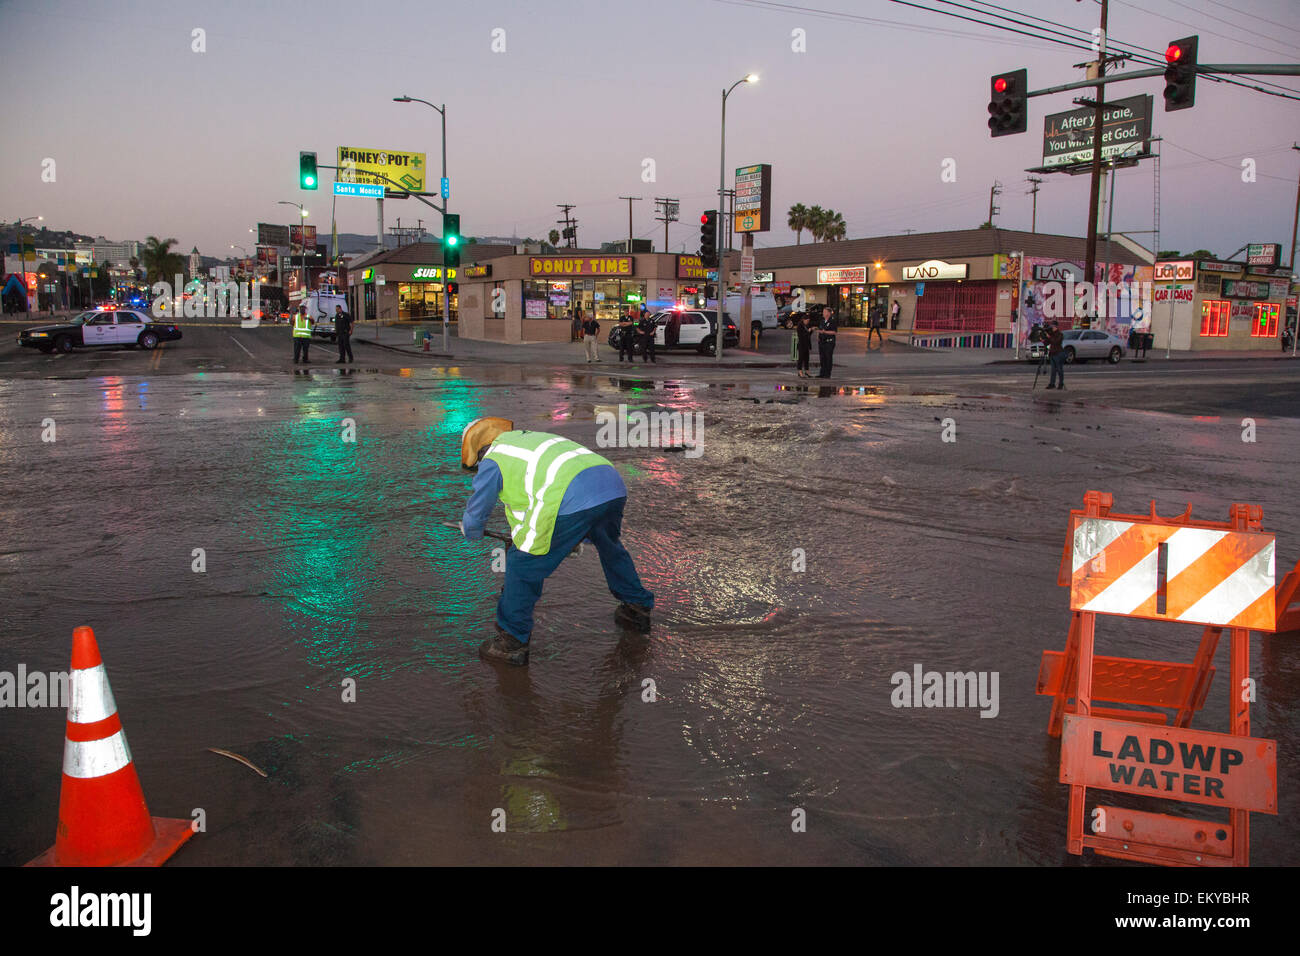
589 487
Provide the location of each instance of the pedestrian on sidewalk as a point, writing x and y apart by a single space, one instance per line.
874 325
1056 355
575 324
803 332
626 336
591 338
343 333
895 311
827 331
302 336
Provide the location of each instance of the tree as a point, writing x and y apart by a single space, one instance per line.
986 225
1168 254
816 222
554 237
798 220
1201 254
833 227
160 262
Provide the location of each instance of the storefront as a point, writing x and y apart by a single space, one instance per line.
1209 304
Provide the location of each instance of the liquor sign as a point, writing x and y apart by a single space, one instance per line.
691 267
1125 130
844 276
381 167
1174 271
1263 253
934 269
753 208
580 266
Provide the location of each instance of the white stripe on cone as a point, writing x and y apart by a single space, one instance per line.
91 697
95 758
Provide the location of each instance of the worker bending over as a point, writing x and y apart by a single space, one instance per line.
556 494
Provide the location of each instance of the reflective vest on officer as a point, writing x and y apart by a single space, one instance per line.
301 326
536 469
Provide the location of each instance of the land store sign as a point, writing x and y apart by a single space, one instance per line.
934 269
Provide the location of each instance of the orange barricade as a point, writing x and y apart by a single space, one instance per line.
1216 574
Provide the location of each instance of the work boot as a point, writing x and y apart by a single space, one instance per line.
504 646
633 617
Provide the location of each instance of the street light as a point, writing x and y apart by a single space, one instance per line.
446 204
722 196
303 213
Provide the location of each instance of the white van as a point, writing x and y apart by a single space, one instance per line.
762 309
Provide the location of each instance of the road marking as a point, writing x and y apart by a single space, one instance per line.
241 345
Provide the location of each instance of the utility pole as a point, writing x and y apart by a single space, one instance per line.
1036 182
993 210
1094 188
630 200
570 224
730 217
669 209
1295 221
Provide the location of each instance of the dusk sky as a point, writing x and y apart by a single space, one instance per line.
151 138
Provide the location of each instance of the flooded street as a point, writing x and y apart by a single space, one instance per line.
821 542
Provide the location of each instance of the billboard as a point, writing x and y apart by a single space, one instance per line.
1263 253
381 167
295 239
753 208
1125 131
269 235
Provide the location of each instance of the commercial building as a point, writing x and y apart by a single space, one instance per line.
407 283
1213 304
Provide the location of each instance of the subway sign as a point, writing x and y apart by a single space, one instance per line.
431 274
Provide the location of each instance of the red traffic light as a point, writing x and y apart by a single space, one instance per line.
1174 53
1000 84
704 219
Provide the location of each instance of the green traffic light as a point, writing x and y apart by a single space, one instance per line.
453 240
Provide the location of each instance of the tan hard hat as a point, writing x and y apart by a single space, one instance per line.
478 435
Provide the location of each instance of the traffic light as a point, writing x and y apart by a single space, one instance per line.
709 238
1180 74
451 240
307 178
1008 103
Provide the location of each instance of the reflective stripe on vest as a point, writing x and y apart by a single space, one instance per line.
536 469
301 326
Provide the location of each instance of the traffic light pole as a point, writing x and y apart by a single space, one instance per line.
722 205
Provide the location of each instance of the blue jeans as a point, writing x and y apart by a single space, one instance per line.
525 573
1058 369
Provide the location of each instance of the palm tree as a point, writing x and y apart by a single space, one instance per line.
554 237
159 261
816 222
798 220
833 227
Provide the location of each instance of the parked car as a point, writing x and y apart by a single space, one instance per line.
110 327
691 329
1080 345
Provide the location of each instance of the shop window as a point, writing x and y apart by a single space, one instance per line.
1214 317
497 299
1265 324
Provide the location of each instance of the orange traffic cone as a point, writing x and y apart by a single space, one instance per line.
103 820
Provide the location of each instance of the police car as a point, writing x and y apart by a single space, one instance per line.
126 328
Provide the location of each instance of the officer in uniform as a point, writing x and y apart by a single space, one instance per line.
556 494
301 336
647 329
827 331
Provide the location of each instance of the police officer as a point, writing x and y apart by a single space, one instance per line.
627 336
826 332
301 336
647 329
343 333
556 494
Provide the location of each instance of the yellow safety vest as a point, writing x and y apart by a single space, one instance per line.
301 326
